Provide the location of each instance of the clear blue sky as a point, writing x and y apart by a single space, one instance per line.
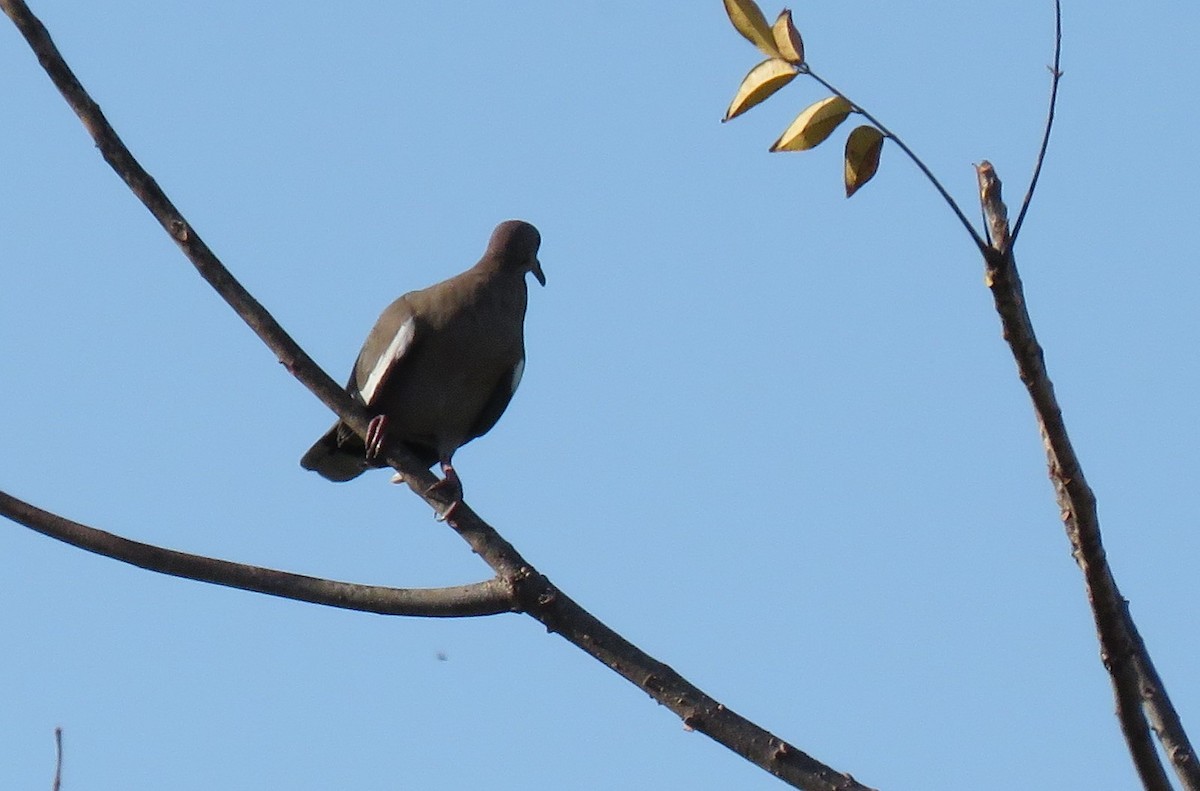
770 435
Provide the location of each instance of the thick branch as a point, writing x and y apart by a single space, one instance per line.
534 592
1121 648
491 597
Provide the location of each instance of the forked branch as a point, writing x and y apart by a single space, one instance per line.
1131 671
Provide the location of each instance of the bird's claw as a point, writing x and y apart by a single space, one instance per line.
449 512
450 481
376 430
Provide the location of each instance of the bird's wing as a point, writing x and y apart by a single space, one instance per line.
389 342
497 402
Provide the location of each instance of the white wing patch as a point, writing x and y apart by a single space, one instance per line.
395 350
518 369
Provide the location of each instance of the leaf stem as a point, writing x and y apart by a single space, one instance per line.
979 241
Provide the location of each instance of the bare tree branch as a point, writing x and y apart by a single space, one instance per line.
1121 648
58 756
1163 717
490 597
151 195
1055 77
535 594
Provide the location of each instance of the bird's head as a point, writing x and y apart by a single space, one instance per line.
515 243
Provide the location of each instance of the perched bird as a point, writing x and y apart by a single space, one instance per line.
441 364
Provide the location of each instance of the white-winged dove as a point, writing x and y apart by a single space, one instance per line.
441 364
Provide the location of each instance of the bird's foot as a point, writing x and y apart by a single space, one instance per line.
376 430
452 482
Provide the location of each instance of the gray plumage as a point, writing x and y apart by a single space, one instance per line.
441 364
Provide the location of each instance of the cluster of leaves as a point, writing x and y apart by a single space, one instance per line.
784 48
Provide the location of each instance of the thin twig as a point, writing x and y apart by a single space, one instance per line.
535 594
975 237
1055 76
1077 503
490 597
57 759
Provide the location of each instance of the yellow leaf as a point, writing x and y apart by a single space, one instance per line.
863 147
748 18
762 81
787 38
813 125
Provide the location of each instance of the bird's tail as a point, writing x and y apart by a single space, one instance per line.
334 460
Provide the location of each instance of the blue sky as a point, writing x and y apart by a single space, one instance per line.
770 435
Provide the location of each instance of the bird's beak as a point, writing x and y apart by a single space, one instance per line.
537 271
